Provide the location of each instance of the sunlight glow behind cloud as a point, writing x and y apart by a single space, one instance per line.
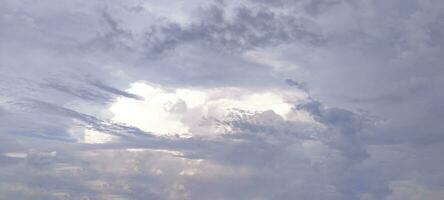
168 111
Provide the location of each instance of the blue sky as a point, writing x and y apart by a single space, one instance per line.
249 99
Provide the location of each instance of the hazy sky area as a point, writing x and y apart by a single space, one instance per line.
221 100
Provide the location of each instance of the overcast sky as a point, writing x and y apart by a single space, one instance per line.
223 99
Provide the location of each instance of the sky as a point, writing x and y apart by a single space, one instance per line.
221 99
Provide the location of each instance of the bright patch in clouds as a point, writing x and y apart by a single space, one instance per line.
189 111
96 137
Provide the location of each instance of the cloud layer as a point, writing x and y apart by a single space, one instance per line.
251 99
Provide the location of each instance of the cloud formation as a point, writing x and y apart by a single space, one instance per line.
251 99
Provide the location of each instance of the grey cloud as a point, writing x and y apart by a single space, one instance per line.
373 70
247 29
349 126
90 121
274 162
89 92
241 29
300 85
85 94
115 91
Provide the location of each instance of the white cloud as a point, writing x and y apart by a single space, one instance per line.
183 111
96 137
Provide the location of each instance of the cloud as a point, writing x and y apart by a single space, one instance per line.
194 111
252 99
